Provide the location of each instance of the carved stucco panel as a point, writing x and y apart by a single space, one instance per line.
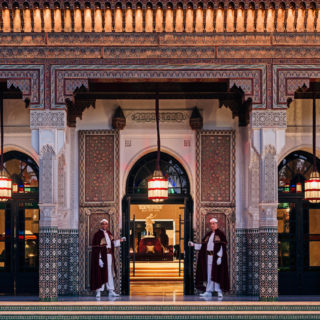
47 164
47 118
253 189
269 181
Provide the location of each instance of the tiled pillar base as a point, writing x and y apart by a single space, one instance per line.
253 262
48 266
268 261
241 261
68 262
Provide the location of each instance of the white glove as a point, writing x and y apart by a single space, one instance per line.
219 261
101 263
190 244
123 239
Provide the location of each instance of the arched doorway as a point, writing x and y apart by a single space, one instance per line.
19 228
161 260
298 228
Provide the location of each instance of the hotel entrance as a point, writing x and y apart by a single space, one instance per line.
298 229
19 228
156 249
158 260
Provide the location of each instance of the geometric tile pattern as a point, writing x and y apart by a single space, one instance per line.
247 262
253 262
68 262
268 263
71 84
99 168
48 263
241 262
215 168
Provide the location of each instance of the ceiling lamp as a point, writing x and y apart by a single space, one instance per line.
5 181
158 184
312 185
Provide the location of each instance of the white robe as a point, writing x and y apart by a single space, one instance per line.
211 285
110 284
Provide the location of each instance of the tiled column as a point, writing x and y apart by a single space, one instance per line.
268 138
47 140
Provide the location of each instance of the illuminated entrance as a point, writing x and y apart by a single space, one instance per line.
159 262
19 228
298 229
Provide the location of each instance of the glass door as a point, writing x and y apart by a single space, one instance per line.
19 241
298 247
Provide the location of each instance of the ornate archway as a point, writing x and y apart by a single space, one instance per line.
179 196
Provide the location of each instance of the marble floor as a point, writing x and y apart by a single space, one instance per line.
162 299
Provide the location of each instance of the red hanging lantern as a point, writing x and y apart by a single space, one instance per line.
5 188
312 188
157 185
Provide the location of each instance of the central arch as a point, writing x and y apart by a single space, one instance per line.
165 251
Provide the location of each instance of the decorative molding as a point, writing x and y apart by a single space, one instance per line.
29 79
289 40
236 73
288 78
293 51
268 119
47 118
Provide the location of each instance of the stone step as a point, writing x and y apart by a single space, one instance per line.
161 278
170 310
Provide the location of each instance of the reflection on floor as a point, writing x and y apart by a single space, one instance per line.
156 288
156 279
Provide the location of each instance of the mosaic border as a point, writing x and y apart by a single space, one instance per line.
127 308
228 316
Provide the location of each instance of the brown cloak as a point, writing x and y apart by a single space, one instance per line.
99 276
220 273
